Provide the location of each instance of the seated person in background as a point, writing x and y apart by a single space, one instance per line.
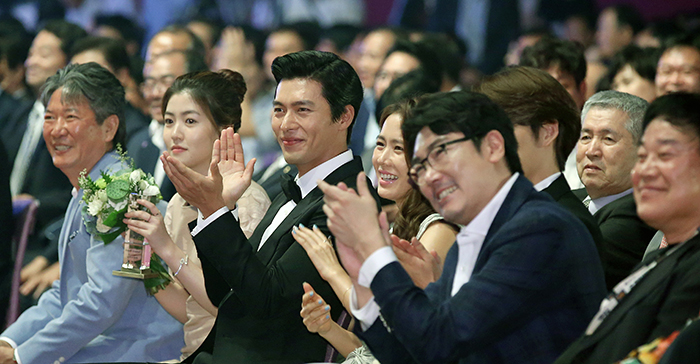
198 106
663 292
416 219
679 67
89 315
633 70
257 282
546 125
111 54
605 156
518 284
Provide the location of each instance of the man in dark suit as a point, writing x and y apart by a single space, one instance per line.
664 290
546 124
607 151
519 282
257 282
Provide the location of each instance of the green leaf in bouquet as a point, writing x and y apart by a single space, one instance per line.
115 218
153 285
109 237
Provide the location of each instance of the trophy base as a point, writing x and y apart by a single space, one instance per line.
135 273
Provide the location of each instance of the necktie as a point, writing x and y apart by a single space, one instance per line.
290 188
587 201
664 243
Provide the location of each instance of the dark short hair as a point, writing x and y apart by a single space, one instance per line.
680 109
219 94
340 83
469 113
447 52
531 97
196 45
98 86
214 24
68 33
308 31
410 85
114 51
15 50
429 62
257 38
130 31
627 15
549 52
642 60
194 61
341 35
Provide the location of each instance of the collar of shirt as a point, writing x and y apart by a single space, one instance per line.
155 131
541 185
481 224
308 181
600 202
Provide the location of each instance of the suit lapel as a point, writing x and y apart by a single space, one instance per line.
310 202
558 188
657 276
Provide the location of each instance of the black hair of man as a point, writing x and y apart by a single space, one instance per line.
214 24
130 31
628 15
68 33
642 60
429 62
413 84
340 84
113 51
447 52
195 44
98 86
341 35
680 109
257 38
10 26
308 31
469 113
548 52
14 49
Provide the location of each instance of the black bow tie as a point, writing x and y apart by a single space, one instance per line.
290 188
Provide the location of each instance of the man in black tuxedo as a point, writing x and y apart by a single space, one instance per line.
607 151
664 290
257 282
546 124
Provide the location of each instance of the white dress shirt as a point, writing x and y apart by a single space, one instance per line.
469 240
541 185
306 183
155 131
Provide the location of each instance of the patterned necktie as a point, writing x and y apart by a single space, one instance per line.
290 188
664 243
587 201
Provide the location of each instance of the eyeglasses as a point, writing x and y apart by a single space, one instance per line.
436 158
150 84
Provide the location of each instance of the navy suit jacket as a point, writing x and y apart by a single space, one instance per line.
535 286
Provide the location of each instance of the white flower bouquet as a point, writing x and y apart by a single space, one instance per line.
106 201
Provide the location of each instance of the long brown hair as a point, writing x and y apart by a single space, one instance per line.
415 207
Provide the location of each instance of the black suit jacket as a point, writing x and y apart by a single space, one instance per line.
14 113
659 304
258 319
625 237
561 192
145 155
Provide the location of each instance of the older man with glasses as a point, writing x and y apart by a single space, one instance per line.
523 276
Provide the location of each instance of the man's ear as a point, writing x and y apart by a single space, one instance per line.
110 127
493 146
548 133
346 118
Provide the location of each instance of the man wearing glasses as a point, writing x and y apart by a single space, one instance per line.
523 277
159 73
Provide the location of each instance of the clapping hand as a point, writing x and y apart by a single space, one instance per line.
315 312
424 267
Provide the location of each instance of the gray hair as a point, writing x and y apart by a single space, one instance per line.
98 86
633 106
